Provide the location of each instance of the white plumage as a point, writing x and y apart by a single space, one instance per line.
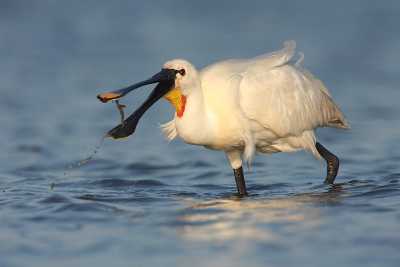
266 104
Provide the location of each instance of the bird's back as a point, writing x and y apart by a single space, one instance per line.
280 103
277 93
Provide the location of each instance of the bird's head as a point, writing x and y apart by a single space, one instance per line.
187 78
175 81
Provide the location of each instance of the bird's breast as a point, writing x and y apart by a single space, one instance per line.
213 130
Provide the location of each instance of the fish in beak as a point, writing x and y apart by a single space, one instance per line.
166 83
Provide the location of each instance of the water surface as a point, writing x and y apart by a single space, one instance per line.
146 202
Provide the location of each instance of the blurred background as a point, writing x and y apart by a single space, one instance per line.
57 56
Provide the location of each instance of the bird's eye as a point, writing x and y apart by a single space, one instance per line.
182 72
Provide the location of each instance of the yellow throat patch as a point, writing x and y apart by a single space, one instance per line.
177 100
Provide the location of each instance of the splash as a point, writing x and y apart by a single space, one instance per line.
88 158
81 162
69 169
121 112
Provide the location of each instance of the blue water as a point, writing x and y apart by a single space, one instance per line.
145 202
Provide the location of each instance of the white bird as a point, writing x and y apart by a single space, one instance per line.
264 104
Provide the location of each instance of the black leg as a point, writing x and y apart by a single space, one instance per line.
332 162
239 178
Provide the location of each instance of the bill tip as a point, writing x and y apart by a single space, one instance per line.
108 97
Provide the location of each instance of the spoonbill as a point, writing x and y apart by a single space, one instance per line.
265 104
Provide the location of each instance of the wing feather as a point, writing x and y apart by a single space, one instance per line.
281 103
288 101
284 97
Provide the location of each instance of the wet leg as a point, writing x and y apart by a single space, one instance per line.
332 163
240 184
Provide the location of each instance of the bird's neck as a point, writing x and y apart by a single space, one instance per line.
194 125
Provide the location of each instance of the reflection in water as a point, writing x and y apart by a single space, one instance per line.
263 221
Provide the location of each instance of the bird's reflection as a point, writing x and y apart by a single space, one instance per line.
256 220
